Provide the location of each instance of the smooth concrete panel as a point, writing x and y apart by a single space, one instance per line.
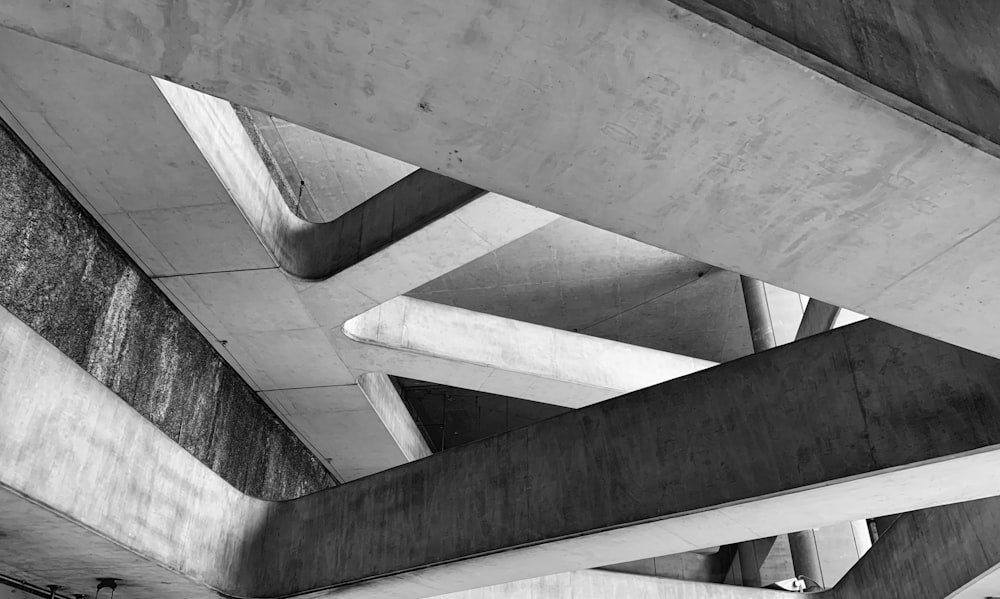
337 175
511 347
749 161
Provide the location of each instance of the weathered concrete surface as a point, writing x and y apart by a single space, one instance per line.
936 55
897 410
872 210
948 552
63 276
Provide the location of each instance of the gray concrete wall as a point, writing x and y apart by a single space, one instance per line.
64 277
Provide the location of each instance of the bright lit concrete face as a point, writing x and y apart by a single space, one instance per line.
328 176
748 161
222 264
181 531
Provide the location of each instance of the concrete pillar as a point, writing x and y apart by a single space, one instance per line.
762 337
805 556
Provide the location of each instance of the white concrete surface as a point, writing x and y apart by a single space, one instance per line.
519 359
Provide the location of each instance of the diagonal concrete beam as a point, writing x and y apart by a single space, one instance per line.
772 170
524 360
598 584
262 295
709 459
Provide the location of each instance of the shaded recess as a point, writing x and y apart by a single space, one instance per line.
326 176
61 274
318 250
451 417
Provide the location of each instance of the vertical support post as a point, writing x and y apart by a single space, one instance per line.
762 337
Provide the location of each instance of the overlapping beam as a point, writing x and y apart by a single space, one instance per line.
715 457
184 188
642 118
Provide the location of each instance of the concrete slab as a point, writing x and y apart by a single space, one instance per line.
165 523
283 329
771 169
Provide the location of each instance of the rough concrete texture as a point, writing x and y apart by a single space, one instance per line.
894 411
641 118
63 276
938 55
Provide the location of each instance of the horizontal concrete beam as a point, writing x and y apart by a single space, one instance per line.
712 458
522 359
592 110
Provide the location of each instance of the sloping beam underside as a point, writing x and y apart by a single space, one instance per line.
176 178
641 118
898 422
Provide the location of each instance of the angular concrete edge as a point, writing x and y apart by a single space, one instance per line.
311 251
567 493
387 403
951 552
819 317
903 264
596 584
525 360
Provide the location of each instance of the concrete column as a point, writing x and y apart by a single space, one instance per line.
762 337
805 556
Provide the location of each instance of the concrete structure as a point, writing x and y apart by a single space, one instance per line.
370 301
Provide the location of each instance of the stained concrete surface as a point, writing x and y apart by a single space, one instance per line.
938 55
62 275
876 211
158 506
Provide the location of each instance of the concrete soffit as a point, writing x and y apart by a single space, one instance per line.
181 531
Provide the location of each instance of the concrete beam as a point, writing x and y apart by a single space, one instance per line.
597 584
819 317
279 317
772 170
521 359
711 458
